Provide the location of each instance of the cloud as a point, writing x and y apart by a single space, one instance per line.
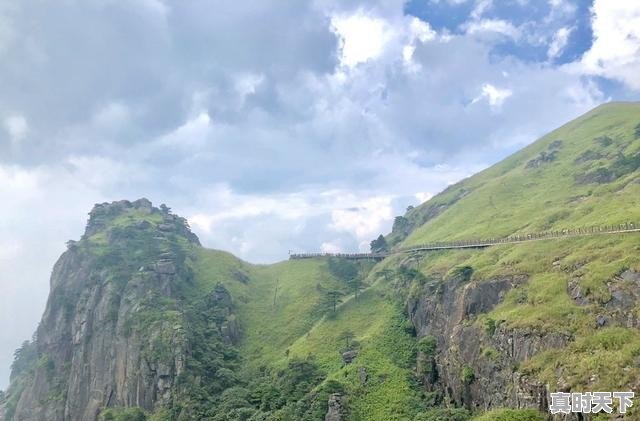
559 42
495 96
489 26
615 52
362 37
17 127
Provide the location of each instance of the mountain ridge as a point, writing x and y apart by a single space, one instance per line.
144 323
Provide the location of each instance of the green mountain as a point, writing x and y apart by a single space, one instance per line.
142 322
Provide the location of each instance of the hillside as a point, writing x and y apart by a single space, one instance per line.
144 323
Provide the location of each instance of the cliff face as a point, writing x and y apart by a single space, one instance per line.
462 372
113 332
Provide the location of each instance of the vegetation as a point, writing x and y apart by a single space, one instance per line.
298 317
379 245
512 415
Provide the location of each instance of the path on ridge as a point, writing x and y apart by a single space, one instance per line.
482 243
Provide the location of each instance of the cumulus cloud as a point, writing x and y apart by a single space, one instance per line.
615 52
362 37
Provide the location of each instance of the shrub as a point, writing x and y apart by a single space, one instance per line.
428 345
467 375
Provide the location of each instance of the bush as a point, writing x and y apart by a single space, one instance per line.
123 414
490 326
463 273
428 345
467 375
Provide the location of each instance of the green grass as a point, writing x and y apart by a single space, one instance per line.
509 198
269 329
297 324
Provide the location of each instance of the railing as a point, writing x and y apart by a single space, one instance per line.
481 243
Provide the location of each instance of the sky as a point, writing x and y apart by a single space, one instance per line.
275 125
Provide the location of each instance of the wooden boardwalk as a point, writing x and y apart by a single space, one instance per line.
482 243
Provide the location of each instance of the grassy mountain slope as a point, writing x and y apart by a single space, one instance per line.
581 174
297 326
288 360
277 303
585 173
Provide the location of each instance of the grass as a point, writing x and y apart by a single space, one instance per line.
296 327
509 198
269 329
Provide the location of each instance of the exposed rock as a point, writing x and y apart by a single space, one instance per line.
363 375
97 352
166 267
349 356
575 292
230 330
588 155
443 311
625 297
543 158
336 410
600 175
241 276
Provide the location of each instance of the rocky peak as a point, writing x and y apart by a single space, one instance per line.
138 214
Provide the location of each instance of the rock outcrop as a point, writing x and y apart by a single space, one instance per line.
462 372
113 332
336 408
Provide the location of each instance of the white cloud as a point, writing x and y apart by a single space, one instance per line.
495 96
559 42
362 37
330 248
480 8
17 127
364 221
418 31
615 52
193 132
246 84
498 26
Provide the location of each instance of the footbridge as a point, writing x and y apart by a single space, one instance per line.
629 227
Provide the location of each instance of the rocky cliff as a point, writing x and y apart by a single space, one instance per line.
114 332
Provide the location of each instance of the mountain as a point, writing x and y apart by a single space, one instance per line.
142 322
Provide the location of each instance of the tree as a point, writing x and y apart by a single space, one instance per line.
401 224
379 245
23 358
332 299
356 286
347 336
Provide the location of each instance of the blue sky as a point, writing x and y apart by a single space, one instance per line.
278 124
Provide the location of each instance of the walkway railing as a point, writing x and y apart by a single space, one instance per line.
487 242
